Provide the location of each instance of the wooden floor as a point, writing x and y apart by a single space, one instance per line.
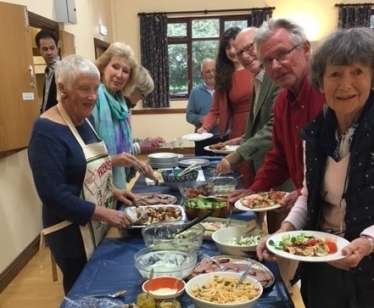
33 287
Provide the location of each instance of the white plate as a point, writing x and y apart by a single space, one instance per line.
198 161
340 243
197 137
230 149
163 155
241 207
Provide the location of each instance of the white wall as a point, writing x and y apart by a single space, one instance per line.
20 208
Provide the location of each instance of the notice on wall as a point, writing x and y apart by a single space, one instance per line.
28 96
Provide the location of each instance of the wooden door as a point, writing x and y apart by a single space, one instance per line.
18 94
67 43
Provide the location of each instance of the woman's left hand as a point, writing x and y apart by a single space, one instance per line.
354 252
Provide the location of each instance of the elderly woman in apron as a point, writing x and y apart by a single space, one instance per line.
72 171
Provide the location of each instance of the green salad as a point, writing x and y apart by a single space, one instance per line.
203 203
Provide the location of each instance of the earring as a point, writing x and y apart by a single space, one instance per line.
64 95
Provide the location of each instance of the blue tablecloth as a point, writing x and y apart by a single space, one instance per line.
111 268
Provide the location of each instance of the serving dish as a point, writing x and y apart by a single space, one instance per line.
153 199
155 213
163 235
164 262
230 296
213 224
199 206
258 271
165 288
197 136
226 240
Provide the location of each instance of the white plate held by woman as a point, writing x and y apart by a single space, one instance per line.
274 244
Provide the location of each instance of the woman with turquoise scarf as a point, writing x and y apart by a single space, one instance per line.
118 68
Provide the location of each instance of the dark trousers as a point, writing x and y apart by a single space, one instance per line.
199 145
71 269
326 286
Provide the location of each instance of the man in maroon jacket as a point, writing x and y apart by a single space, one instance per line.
284 50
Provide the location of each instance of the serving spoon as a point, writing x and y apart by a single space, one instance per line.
112 295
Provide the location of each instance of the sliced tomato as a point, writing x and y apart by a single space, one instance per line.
332 247
312 242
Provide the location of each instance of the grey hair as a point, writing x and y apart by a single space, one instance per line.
296 32
205 60
70 67
122 50
144 83
342 47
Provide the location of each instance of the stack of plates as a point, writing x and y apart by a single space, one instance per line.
163 160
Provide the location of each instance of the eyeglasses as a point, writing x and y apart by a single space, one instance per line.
280 57
247 49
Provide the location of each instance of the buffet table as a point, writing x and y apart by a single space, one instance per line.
111 268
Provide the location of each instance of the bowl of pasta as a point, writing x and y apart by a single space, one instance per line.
203 290
238 241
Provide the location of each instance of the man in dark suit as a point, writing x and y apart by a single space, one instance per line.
47 43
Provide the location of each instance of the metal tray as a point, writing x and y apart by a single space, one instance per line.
259 271
131 209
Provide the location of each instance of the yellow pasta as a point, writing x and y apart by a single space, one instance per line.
223 290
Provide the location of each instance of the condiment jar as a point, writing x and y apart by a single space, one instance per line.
144 301
170 304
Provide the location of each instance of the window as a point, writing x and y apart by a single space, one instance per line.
191 40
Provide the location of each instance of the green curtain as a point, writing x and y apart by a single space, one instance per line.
154 56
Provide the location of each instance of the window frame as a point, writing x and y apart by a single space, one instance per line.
188 40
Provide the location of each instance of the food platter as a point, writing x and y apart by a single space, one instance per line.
235 264
197 136
212 224
226 150
275 239
260 202
154 214
154 199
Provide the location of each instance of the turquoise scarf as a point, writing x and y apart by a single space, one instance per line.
112 121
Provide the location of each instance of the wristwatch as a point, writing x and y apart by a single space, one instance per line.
371 243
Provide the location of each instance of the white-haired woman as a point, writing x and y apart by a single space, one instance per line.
72 171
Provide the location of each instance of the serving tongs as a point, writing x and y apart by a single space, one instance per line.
150 176
191 224
189 169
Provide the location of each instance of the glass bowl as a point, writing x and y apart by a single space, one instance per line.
191 190
223 185
157 236
164 262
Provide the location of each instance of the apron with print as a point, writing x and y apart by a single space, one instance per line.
97 187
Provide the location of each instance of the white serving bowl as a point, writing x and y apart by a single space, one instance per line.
222 238
204 278
164 262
